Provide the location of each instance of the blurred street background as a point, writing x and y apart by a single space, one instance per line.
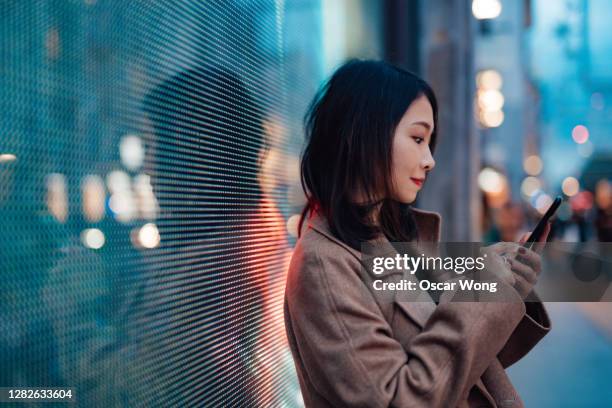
149 178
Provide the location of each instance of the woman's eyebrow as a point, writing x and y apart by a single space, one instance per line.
424 124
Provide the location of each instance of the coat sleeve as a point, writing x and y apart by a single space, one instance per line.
530 330
349 353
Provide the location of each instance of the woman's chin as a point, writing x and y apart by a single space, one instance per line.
406 198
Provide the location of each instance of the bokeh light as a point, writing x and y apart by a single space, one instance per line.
131 151
492 119
582 201
570 186
490 180
7 157
580 134
486 9
148 236
489 79
534 197
543 202
57 197
93 238
118 181
532 165
147 202
530 185
121 202
94 196
123 206
490 100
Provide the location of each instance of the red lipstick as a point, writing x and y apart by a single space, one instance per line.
417 181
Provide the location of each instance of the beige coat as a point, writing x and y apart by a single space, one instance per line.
352 351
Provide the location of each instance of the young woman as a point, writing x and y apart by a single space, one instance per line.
371 132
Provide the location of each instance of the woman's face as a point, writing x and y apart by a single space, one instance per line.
411 157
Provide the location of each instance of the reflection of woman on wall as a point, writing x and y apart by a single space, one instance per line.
220 238
371 132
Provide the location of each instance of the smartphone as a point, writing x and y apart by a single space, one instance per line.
539 229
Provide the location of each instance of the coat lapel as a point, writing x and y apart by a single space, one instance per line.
428 224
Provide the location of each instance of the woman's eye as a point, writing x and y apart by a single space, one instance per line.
418 139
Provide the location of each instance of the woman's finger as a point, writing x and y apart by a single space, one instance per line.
538 246
524 271
530 258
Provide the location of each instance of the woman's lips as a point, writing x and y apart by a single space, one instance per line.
418 182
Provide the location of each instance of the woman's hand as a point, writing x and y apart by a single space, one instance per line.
497 258
516 265
527 264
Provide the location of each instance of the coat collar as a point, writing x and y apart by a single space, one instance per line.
428 226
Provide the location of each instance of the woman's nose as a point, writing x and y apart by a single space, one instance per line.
428 162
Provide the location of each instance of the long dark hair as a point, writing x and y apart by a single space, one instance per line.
349 129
